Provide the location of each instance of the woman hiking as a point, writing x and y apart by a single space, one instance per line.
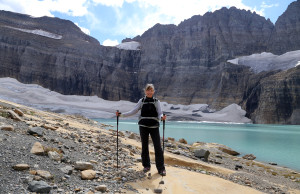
151 114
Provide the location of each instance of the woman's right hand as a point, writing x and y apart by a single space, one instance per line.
118 113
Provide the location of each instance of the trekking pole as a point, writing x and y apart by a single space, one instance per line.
118 140
164 134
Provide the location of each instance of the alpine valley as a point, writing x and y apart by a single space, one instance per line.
201 60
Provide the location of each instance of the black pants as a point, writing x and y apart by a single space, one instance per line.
159 156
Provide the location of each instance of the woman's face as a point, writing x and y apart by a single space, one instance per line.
149 93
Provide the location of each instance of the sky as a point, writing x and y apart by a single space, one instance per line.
111 21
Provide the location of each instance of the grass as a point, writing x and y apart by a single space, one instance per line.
4 114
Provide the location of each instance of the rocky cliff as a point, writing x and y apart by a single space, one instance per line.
187 63
285 36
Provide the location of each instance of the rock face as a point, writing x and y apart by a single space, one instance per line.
186 63
275 99
285 36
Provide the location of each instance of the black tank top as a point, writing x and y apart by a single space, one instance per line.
149 110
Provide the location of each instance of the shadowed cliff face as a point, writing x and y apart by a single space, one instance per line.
275 98
186 63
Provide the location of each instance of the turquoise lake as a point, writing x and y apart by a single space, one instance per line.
269 143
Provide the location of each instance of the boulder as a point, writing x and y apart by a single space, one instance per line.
20 167
80 165
44 174
67 170
49 127
132 136
39 187
7 128
202 154
13 115
171 139
39 131
88 174
37 149
249 157
228 151
19 112
182 140
101 188
54 156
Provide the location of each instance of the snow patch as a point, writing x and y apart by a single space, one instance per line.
38 97
38 32
133 45
268 61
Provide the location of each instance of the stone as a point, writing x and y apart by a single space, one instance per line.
238 167
39 131
273 163
80 165
67 170
94 161
7 128
54 156
182 140
171 139
20 167
13 115
88 174
19 112
132 136
49 127
249 157
228 151
202 154
101 188
44 174
157 191
37 149
39 187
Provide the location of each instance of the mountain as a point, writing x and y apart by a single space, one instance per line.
187 63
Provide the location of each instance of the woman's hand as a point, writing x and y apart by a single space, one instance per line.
118 113
164 117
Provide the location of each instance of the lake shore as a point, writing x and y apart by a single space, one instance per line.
81 139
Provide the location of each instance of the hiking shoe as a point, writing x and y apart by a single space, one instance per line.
146 169
162 173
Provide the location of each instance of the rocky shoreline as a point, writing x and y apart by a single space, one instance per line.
54 153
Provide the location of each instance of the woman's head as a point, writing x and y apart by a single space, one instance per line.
149 90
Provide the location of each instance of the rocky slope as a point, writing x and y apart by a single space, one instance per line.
44 152
187 62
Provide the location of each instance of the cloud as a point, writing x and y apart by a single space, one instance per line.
109 42
264 5
167 12
85 30
38 8
113 3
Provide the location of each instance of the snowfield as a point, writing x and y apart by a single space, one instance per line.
133 45
94 107
268 61
38 32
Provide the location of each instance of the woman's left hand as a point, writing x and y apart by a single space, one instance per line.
164 117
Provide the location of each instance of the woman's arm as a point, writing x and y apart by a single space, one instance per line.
158 109
133 111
